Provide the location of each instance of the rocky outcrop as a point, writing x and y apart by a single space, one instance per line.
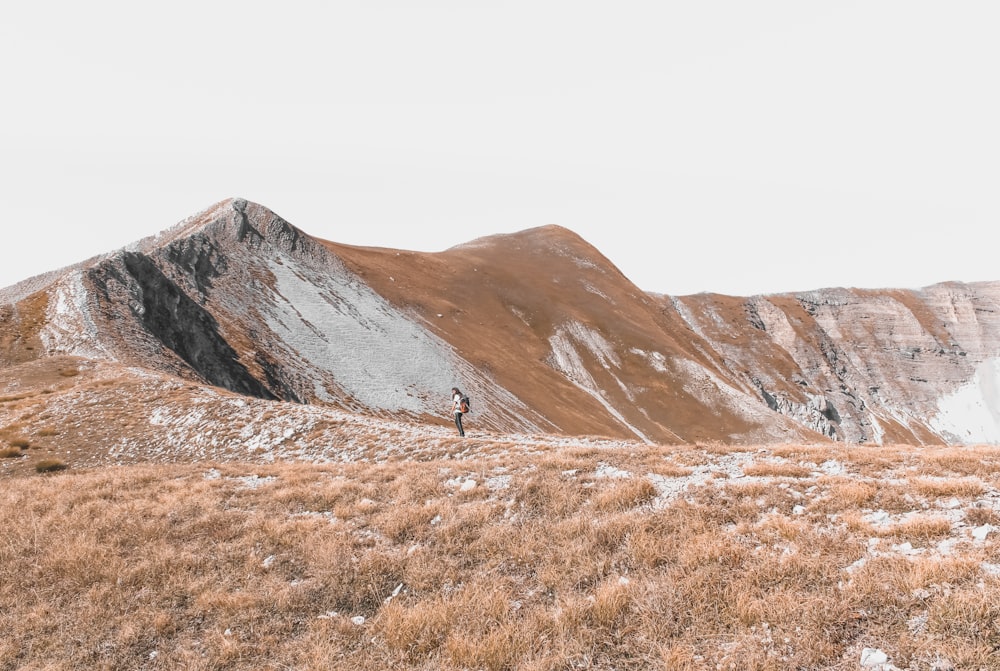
867 366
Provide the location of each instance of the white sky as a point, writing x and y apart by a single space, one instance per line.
729 146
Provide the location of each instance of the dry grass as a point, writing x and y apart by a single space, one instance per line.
539 565
624 495
874 461
777 470
979 461
948 487
10 452
50 465
922 529
850 494
979 516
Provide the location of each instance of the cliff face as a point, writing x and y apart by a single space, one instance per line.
864 366
543 331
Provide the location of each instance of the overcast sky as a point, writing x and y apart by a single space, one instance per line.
735 147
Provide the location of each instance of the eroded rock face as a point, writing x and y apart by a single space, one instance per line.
868 366
240 299
546 334
187 328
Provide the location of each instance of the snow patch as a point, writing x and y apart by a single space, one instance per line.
657 361
69 328
971 414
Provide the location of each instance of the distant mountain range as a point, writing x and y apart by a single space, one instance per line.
543 332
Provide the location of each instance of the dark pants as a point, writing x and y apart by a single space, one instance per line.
458 423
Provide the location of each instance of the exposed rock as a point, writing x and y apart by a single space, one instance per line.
538 324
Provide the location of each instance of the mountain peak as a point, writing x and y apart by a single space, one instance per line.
237 216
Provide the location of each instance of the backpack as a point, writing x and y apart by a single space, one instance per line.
463 404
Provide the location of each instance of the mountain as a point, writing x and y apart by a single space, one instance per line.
538 326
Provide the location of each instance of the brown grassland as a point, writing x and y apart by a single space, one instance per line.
507 560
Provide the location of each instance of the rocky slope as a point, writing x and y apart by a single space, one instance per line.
542 330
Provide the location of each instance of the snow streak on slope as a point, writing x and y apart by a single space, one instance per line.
69 329
376 354
972 413
567 360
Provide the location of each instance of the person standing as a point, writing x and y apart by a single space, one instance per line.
457 408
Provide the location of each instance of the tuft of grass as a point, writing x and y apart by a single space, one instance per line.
920 529
979 462
51 465
849 494
10 452
669 470
22 443
776 470
625 495
717 448
949 487
871 461
977 516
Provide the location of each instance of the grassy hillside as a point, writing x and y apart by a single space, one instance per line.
568 557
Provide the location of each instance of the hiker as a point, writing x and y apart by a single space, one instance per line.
456 407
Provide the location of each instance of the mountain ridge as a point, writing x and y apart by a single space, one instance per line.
542 328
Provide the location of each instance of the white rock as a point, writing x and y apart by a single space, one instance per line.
872 657
798 510
980 533
990 569
269 562
877 517
498 482
468 486
857 565
918 623
832 467
609 471
358 620
946 546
